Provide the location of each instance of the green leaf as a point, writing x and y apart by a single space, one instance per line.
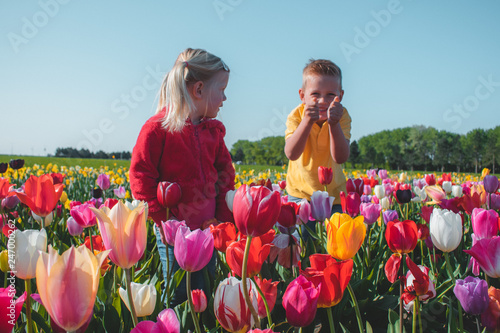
40 321
368 327
111 319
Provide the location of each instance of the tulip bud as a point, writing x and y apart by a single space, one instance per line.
143 296
4 261
379 191
325 175
456 191
447 187
199 300
103 181
168 194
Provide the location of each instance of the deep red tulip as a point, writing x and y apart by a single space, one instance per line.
3 167
58 178
355 185
350 203
282 184
16 164
325 175
426 213
402 193
224 234
422 231
168 194
288 214
256 209
40 194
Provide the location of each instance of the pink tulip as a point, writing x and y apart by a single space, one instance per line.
103 181
304 211
230 306
486 251
435 192
170 228
382 173
120 192
11 309
300 301
193 249
123 232
166 322
371 212
83 215
199 300
74 228
484 223
68 284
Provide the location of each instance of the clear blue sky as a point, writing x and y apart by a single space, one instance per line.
86 73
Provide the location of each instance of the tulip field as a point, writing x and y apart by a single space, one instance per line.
412 252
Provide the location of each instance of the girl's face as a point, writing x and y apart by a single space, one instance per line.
214 96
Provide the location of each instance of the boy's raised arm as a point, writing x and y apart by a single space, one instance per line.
339 145
295 144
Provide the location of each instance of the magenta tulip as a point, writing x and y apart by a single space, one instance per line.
170 228
300 301
83 215
484 223
193 249
166 322
304 211
486 251
11 309
256 209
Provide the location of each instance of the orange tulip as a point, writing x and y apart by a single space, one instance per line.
345 235
40 194
258 253
68 284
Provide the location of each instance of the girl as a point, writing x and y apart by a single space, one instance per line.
183 143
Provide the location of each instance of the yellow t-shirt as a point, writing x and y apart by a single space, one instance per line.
302 177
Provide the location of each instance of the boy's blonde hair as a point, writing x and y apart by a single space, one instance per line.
192 65
321 67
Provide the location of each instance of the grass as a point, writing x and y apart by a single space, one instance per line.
44 160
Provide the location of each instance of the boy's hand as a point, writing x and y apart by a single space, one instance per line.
311 113
335 111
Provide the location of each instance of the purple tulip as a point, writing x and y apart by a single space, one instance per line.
390 215
371 212
472 294
103 181
494 201
10 202
490 183
193 249
366 198
321 205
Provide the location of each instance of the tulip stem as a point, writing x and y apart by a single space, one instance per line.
190 301
244 281
268 313
130 297
90 240
356 307
450 271
330 319
27 284
417 301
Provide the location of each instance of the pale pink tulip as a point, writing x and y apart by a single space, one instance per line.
68 284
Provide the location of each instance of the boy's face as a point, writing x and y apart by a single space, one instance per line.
320 91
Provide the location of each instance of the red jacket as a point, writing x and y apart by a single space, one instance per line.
196 158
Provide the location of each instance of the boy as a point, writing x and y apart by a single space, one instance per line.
318 133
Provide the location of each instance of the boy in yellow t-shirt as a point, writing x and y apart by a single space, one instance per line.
318 133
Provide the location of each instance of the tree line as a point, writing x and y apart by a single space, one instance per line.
85 153
410 148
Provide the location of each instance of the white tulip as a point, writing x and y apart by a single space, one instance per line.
456 191
229 199
379 191
445 229
144 298
447 187
385 203
28 245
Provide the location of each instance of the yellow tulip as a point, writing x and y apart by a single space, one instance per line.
345 235
68 284
485 172
4 261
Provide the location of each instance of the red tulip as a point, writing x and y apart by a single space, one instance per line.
58 178
258 253
350 203
355 185
199 300
270 291
401 236
331 276
256 209
224 234
430 179
282 184
40 194
4 188
168 194
325 175
288 214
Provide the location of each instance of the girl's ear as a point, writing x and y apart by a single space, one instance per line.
197 89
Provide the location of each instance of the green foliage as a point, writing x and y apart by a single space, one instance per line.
269 151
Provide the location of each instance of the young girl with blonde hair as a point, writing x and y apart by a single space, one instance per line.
183 143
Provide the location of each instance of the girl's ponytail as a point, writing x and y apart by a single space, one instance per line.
192 65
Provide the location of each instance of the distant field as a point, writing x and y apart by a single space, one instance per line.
43 160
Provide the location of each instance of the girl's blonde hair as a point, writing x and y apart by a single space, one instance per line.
192 65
